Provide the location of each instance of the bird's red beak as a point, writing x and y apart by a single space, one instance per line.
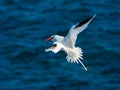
48 39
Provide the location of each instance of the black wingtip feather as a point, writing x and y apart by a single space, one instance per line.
83 22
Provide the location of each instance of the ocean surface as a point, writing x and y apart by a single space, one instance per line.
24 26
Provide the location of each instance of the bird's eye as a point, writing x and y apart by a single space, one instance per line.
54 45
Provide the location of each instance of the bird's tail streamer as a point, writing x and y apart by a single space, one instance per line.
75 56
83 65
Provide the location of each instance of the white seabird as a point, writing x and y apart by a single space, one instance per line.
67 44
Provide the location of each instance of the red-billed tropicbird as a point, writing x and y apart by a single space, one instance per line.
67 44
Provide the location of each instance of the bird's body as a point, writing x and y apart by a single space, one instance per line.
67 44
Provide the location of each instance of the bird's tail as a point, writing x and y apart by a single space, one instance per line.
75 55
83 65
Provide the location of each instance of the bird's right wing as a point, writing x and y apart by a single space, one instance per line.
76 29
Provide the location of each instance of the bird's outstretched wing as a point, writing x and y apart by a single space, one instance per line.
76 29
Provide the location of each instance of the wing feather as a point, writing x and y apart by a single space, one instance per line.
76 29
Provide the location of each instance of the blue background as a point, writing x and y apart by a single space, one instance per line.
24 64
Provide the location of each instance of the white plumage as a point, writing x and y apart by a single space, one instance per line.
67 44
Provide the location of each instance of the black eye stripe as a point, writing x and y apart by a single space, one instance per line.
51 37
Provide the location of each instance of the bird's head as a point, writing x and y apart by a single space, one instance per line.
49 38
55 38
56 47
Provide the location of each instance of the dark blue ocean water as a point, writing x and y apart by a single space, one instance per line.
24 64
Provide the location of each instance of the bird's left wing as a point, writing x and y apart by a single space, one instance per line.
76 29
